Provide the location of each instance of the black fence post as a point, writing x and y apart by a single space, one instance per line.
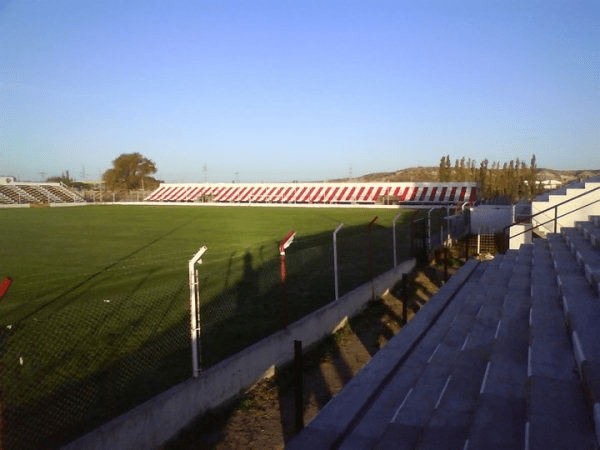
405 298
445 264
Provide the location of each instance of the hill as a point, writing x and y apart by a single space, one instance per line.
428 174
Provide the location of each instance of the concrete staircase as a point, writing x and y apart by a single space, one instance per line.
506 355
580 207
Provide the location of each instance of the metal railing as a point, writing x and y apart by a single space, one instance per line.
556 216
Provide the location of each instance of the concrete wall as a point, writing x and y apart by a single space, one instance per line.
52 205
522 235
490 219
151 424
14 205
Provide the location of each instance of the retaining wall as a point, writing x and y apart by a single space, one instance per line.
156 421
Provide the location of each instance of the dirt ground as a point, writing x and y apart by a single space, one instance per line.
264 417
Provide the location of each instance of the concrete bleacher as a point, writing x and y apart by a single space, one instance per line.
29 192
577 209
317 193
505 355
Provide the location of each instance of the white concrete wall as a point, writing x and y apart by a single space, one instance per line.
490 219
522 235
151 424
14 205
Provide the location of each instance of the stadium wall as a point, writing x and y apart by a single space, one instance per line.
153 423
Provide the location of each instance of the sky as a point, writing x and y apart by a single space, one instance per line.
295 90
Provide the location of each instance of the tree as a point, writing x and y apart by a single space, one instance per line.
444 172
130 171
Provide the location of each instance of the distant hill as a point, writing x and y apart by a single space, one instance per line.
426 174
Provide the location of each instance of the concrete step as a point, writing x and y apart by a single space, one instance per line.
557 417
586 255
581 307
401 360
590 232
492 338
420 380
499 416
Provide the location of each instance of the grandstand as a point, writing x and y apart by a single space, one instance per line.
317 193
16 192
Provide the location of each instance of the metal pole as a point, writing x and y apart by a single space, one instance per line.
445 264
429 229
335 260
371 256
284 313
555 217
405 298
287 241
194 310
394 238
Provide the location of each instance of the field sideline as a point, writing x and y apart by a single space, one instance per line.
100 293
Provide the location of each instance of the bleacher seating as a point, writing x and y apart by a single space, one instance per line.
317 193
27 192
581 207
505 355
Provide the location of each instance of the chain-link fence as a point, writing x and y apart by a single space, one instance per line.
68 365
256 303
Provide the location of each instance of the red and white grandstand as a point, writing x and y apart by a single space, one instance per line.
317 193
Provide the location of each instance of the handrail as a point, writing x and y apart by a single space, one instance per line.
556 216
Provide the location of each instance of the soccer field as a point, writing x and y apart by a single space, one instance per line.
100 294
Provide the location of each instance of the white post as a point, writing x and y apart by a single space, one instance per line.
194 308
478 243
335 260
394 237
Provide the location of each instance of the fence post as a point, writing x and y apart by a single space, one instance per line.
394 237
445 264
195 326
371 255
282 246
555 218
335 260
405 298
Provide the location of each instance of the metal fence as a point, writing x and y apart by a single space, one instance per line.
68 368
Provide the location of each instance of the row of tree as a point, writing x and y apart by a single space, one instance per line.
511 181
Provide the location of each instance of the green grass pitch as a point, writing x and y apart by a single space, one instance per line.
101 292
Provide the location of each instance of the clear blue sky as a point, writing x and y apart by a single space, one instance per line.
296 90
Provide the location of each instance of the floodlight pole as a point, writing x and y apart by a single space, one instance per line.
282 246
335 259
195 308
394 237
